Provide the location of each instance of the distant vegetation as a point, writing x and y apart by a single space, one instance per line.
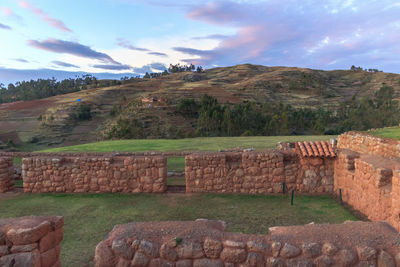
42 88
251 119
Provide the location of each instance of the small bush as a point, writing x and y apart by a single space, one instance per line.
82 112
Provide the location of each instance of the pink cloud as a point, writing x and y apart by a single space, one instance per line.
55 23
7 12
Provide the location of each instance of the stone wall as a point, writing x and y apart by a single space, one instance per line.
367 171
368 144
6 174
31 241
258 172
206 244
95 174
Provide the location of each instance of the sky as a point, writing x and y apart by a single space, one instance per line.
114 38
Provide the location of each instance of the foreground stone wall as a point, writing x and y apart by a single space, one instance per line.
6 174
95 174
258 172
370 183
206 244
31 241
368 144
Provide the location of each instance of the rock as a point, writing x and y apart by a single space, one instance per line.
385 260
323 261
346 257
208 263
184 263
168 253
329 249
140 259
311 250
122 249
160 263
2 239
290 251
123 263
190 251
397 259
300 263
274 262
26 259
234 255
23 248
212 248
24 236
233 244
104 256
254 259
276 248
366 253
148 248
3 250
47 242
259 247
48 258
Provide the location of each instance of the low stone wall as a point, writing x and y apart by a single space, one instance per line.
95 174
368 144
206 244
258 172
6 174
31 241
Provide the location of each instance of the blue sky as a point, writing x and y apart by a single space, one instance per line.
62 38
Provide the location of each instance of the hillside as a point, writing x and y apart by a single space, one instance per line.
47 122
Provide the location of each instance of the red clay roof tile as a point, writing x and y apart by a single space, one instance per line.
315 149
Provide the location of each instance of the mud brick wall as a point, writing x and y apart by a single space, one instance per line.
257 172
204 243
95 174
6 174
369 144
31 241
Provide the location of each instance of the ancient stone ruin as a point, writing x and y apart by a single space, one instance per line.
363 171
204 243
31 241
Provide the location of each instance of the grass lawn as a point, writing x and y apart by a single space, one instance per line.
188 144
389 132
89 217
176 164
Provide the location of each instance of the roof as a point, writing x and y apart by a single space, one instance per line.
316 149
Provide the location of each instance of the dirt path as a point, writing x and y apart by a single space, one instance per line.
15 193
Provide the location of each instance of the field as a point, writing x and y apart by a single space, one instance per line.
388 132
188 144
89 217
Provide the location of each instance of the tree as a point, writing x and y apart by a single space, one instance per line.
146 76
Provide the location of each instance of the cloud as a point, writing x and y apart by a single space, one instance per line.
317 34
21 60
152 67
157 54
53 22
73 48
5 27
113 67
211 37
64 64
125 44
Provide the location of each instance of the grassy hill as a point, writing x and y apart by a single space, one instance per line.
47 122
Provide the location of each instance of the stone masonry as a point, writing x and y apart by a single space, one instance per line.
205 243
31 241
95 174
6 174
258 172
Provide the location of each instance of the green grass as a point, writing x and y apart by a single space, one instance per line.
17 161
176 164
89 217
18 183
187 144
389 132
176 180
